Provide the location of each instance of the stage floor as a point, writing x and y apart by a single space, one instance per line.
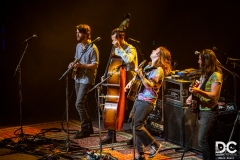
49 140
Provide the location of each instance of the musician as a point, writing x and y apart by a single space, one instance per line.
152 78
85 76
128 54
208 93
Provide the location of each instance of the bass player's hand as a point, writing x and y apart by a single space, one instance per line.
128 86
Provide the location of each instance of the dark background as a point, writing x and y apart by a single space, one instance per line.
182 26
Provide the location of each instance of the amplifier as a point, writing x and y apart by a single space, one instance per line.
176 91
153 121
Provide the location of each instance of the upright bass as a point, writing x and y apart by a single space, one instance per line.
113 114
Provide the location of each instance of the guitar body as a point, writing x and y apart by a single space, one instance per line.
113 115
133 91
194 106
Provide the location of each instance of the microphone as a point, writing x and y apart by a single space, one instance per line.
197 52
133 40
227 60
34 36
216 49
95 40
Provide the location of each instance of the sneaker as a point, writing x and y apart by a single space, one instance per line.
81 134
140 157
154 150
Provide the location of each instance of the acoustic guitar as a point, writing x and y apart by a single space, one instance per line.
74 72
136 85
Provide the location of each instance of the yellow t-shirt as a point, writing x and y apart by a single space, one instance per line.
206 103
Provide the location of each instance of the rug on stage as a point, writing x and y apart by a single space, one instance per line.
53 130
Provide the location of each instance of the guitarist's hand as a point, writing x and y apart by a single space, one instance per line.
189 100
194 90
139 72
76 65
102 78
70 65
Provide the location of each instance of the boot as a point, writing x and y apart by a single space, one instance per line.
90 127
109 140
130 141
82 134
111 137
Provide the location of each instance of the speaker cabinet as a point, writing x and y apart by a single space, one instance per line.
179 125
173 123
191 127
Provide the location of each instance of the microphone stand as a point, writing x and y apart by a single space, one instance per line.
18 68
99 105
142 55
234 79
67 97
67 106
235 98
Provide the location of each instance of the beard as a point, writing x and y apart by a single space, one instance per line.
81 38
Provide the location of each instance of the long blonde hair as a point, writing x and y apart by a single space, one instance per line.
164 60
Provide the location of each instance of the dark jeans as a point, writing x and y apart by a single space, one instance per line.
208 118
143 137
81 105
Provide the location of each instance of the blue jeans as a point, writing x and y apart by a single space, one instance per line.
81 105
206 122
143 137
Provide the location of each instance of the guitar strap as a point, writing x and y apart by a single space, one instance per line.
205 81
